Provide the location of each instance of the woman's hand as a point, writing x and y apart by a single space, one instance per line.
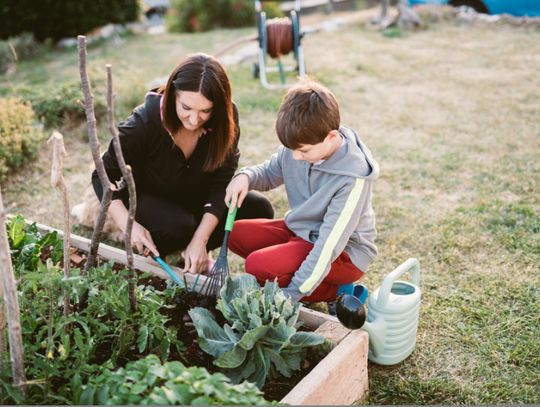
237 190
195 256
141 240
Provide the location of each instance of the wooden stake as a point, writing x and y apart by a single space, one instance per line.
57 181
3 332
9 294
128 179
94 146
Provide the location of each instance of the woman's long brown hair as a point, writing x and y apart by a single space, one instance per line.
203 73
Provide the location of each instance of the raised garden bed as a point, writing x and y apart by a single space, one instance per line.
339 378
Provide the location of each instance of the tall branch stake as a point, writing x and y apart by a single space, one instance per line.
3 326
57 181
9 294
94 146
128 178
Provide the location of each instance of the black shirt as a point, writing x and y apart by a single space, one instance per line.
159 166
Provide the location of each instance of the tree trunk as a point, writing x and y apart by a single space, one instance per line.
9 294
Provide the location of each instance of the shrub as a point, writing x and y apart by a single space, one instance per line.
19 48
147 381
19 136
58 19
203 15
60 103
260 337
7 56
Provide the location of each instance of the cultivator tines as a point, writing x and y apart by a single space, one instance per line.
216 277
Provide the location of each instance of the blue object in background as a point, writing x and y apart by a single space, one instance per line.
360 291
520 8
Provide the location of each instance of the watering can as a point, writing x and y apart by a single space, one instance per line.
392 317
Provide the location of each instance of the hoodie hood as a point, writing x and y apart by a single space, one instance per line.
352 159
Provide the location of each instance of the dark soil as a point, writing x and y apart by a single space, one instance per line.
192 355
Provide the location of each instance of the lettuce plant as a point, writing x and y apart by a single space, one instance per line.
259 339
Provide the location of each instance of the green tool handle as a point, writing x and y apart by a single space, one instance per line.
230 219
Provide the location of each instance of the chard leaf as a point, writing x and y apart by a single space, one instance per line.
142 339
250 338
16 231
231 359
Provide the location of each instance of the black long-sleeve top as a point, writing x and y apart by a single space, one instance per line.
159 166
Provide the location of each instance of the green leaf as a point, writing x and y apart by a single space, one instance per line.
231 359
250 338
87 396
278 336
280 363
16 231
293 359
102 395
262 366
212 338
304 339
164 348
142 339
231 334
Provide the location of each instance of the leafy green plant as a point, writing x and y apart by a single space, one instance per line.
260 339
63 352
148 381
28 245
58 19
203 15
20 137
59 104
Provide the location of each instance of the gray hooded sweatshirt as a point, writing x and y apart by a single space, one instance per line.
330 206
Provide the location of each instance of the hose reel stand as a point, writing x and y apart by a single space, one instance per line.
277 37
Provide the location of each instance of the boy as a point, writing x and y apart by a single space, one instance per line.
327 237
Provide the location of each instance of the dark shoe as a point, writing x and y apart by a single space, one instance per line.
331 307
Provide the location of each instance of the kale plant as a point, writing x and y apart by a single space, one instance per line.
259 339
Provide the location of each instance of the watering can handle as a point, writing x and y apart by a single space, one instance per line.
411 264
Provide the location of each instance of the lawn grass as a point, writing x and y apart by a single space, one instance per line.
452 114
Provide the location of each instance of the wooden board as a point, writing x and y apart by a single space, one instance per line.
341 378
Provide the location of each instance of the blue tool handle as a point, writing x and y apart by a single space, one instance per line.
171 273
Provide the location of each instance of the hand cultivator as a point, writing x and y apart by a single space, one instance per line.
277 37
216 277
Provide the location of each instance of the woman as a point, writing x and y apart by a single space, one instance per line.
182 145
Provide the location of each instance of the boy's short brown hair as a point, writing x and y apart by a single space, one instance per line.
308 112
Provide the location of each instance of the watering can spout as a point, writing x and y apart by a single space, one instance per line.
377 333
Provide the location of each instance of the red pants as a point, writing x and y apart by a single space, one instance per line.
271 250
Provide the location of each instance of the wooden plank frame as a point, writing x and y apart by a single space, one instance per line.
341 378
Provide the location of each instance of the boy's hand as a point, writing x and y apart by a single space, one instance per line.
237 190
